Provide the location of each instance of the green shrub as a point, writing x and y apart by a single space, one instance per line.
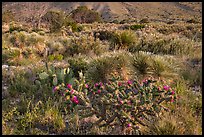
84 15
115 22
56 20
104 35
85 45
123 40
137 26
145 20
101 68
58 57
78 64
75 27
8 16
192 21
141 63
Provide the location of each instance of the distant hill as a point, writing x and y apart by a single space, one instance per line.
112 10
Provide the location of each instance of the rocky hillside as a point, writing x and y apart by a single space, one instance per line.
112 10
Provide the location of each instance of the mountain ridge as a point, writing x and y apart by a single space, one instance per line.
112 10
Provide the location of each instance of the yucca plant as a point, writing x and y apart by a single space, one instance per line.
124 39
101 68
141 63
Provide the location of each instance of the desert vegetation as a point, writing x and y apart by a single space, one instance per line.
77 75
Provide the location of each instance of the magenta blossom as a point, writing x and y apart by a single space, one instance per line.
96 84
56 88
119 84
121 102
129 125
144 80
166 87
101 84
129 82
172 92
69 86
99 91
86 85
75 100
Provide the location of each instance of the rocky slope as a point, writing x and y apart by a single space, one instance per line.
112 10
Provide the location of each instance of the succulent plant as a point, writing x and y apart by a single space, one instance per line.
121 102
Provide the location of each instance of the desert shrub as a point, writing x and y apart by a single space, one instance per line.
16 27
27 52
164 45
192 21
141 63
85 45
104 35
115 21
78 64
12 53
8 16
174 124
100 68
137 26
34 39
145 20
123 40
123 21
56 47
36 118
41 33
170 22
56 19
64 41
75 26
149 64
193 76
84 15
58 57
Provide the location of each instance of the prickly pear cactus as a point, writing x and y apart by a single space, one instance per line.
126 103
55 76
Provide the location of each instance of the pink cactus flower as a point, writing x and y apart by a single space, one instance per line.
166 87
119 84
99 91
69 86
129 82
86 85
96 84
172 92
121 102
129 125
75 100
101 84
144 81
56 88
